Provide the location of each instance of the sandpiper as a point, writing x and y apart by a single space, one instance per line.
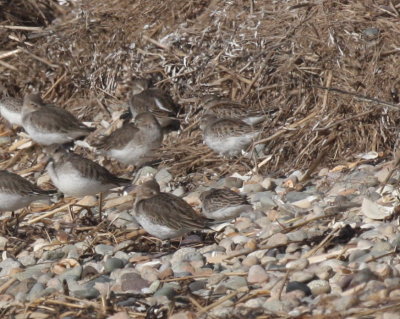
17 192
226 108
77 176
223 204
227 136
154 100
134 143
49 125
11 110
165 215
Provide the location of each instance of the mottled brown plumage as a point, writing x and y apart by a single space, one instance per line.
17 192
227 136
156 101
75 175
226 108
48 124
11 110
223 204
165 215
134 143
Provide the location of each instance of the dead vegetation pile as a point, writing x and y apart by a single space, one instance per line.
275 56
269 55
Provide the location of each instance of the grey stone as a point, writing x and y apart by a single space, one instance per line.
296 196
166 291
145 171
179 191
73 273
381 246
71 251
104 249
197 285
302 276
235 282
86 293
257 274
163 176
21 287
133 282
53 255
278 239
277 306
252 188
296 285
3 242
319 287
113 263
5 140
298 264
36 291
27 260
364 275
8 265
298 235
343 303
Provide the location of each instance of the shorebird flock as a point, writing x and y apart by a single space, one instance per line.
228 129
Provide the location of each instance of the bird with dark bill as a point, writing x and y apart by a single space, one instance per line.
226 108
17 192
165 215
223 204
133 143
75 175
144 98
227 136
49 125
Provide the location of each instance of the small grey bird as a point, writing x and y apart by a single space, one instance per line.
154 100
134 143
227 136
49 125
77 176
225 108
17 192
11 110
165 215
223 204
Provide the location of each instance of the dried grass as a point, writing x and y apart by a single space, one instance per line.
271 55
267 55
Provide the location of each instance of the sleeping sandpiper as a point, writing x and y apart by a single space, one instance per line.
227 136
17 192
223 204
75 175
165 215
154 100
49 125
134 143
226 108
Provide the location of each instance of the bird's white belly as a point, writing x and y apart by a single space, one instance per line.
12 202
130 154
229 145
226 212
46 138
253 120
73 184
12 117
156 230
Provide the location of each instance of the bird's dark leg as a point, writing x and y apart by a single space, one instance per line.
100 206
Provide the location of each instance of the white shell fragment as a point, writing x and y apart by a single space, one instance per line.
374 211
